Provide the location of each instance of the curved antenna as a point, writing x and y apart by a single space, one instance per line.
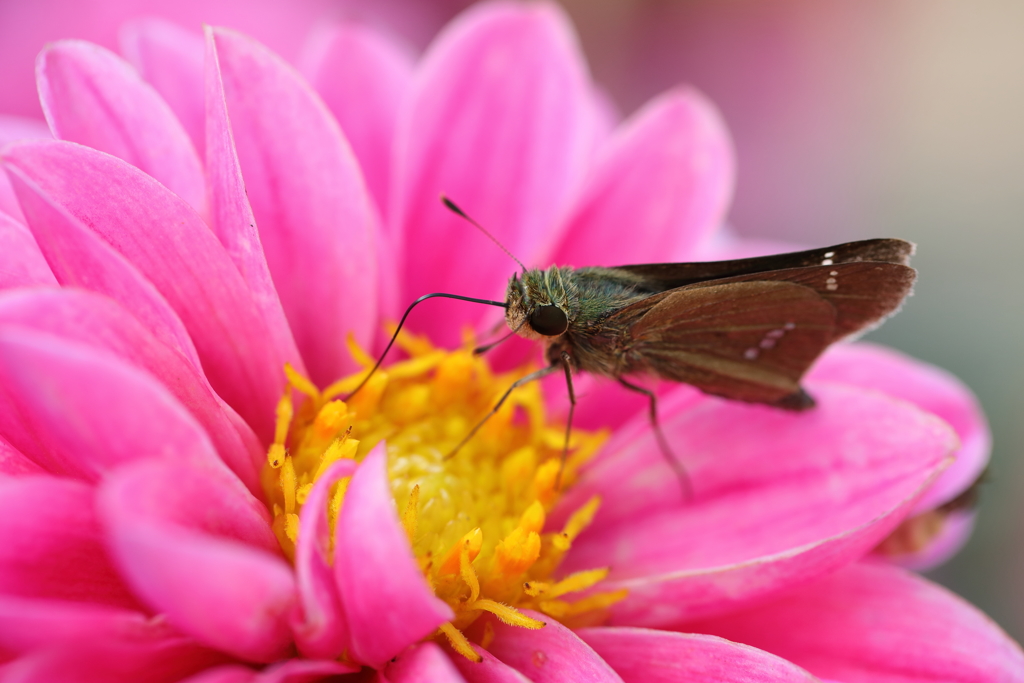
456 210
401 322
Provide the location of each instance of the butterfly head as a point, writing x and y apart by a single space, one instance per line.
539 306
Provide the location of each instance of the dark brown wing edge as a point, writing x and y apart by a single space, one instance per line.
664 276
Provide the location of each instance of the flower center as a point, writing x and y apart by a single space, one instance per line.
475 516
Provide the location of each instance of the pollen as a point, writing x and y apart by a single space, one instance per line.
476 517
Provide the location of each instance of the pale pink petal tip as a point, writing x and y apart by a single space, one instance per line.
769 510
93 97
21 262
500 120
646 656
667 173
932 389
183 547
873 622
170 58
376 570
363 77
320 238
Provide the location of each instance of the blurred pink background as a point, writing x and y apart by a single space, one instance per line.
852 119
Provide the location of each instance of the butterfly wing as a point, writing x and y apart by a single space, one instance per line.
748 341
863 293
665 276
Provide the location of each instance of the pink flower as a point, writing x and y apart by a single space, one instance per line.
157 526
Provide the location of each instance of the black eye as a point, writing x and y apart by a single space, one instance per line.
549 321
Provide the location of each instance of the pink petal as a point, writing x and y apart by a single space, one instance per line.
667 174
21 262
553 653
171 60
81 412
874 623
53 545
645 656
174 250
231 673
78 257
33 623
423 663
98 322
376 571
153 661
362 77
91 96
319 623
780 500
231 215
303 671
501 121
14 464
928 387
314 215
489 670
182 538
13 128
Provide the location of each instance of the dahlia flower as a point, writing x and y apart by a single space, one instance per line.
191 493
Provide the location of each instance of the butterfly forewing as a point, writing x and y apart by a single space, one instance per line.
663 276
863 293
750 341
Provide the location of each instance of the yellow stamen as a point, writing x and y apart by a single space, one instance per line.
475 521
459 642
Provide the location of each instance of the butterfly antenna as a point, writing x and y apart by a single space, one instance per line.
456 210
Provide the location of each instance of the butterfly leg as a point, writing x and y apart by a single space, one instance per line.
666 451
543 372
566 364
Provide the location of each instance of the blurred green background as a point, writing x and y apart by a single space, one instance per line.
851 118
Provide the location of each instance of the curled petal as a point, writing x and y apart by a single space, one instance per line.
376 570
928 387
53 547
489 669
99 322
645 656
171 60
781 500
362 77
423 663
91 96
872 622
319 623
304 671
77 411
500 119
169 245
21 262
667 174
550 654
182 537
315 218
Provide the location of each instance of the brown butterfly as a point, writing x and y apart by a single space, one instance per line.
745 329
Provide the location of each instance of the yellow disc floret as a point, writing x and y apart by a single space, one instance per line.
476 517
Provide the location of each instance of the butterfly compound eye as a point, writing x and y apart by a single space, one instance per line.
549 321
